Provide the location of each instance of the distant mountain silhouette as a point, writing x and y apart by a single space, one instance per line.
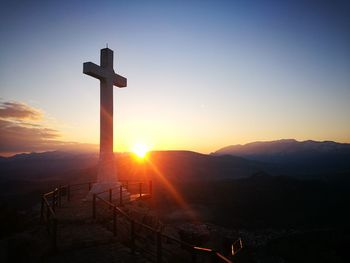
187 165
313 156
175 165
284 157
44 165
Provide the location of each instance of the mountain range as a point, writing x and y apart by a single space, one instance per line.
277 150
302 156
282 157
174 165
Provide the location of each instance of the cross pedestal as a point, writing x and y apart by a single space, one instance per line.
107 174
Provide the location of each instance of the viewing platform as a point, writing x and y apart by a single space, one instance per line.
108 228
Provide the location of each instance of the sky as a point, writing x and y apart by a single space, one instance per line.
201 74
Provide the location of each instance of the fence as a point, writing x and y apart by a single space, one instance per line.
51 200
48 215
151 241
136 235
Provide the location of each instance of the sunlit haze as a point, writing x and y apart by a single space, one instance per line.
201 74
140 150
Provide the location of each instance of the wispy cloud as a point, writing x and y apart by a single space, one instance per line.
21 130
19 111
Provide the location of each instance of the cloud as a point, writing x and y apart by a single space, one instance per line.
21 131
19 111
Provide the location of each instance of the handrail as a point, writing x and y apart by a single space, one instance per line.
113 205
49 193
203 249
223 258
49 206
51 219
117 187
123 213
56 196
146 226
208 251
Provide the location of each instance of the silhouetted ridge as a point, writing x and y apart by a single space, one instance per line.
284 147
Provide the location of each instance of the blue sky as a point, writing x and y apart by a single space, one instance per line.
201 74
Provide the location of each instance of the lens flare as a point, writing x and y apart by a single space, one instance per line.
172 190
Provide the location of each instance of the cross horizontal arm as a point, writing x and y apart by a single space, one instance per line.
100 73
120 81
94 70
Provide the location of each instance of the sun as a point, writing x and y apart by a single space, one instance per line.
140 150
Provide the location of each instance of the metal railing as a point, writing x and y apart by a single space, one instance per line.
50 201
48 215
138 235
125 187
236 246
149 240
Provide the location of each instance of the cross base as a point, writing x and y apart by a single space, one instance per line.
107 171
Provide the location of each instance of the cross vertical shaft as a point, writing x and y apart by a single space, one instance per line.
108 78
106 107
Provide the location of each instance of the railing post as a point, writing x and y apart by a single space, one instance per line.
42 209
110 196
132 236
68 192
114 221
53 199
89 186
47 214
150 188
140 186
59 196
121 195
159 247
94 206
54 234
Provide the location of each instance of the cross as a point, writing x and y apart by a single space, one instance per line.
108 78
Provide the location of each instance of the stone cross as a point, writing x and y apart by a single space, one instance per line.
108 78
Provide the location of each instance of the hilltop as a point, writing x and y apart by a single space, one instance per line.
295 157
